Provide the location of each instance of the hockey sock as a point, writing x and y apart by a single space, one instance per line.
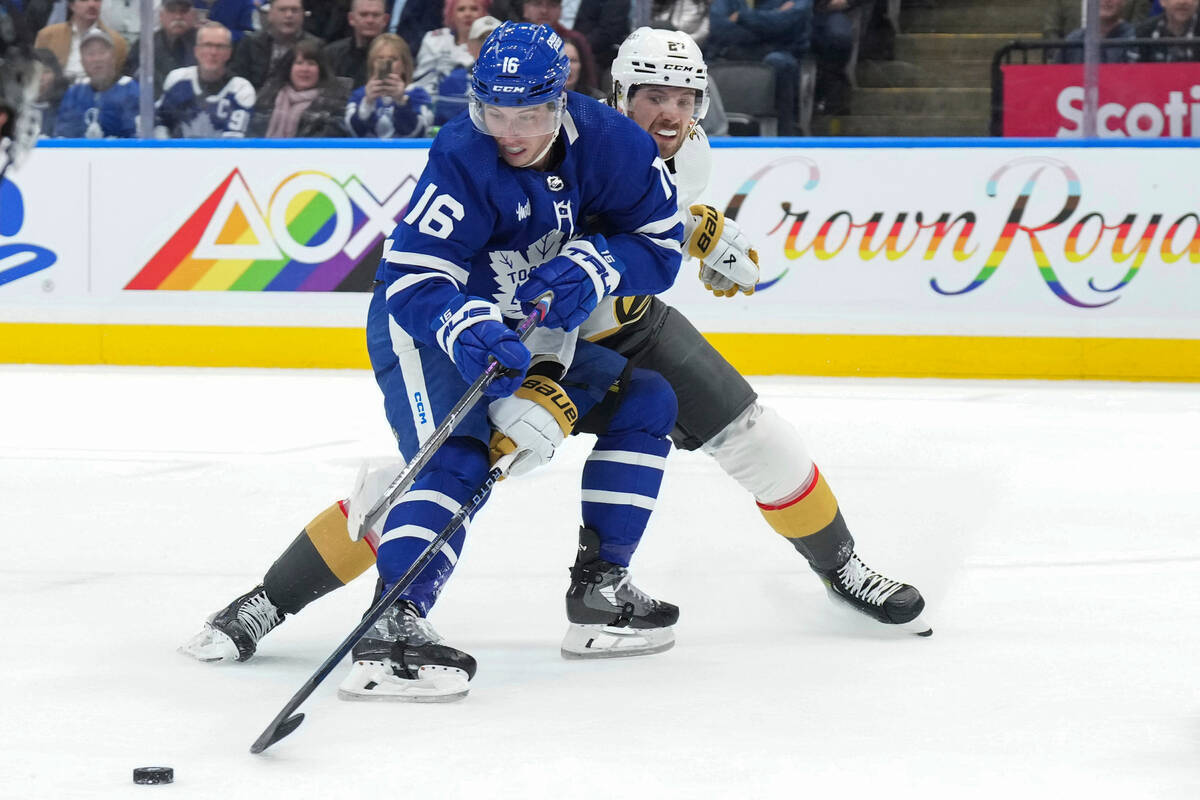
623 474
443 487
811 520
322 558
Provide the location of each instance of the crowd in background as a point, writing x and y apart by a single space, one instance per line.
378 68
398 68
1127 19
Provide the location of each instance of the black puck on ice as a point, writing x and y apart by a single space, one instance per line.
153 775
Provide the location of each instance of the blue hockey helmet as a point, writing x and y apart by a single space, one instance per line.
521 65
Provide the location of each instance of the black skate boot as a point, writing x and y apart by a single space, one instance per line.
610 617
233 633
865 590
401 657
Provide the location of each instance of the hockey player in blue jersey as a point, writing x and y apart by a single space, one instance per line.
205 101
496 222
103 105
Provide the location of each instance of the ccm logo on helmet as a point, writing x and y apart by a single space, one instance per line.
680 67
510 89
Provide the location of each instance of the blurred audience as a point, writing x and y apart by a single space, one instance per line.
239 16
206 100
50 91
302 99
1061 17
389 105
1113 25
451 96
1179 19
174 43
605 24
412 19
774 32
348 56
445 49
258 53
63 38
574 82
101 105
549 12
689 16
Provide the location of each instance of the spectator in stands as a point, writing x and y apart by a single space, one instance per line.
549 12
63 39
302 99
348 57
832 44
207 100
258 53
50 91
124 17
605 23
326 19
236 15
389 106
412 19
689 16
1179 19
1112 26
174 43
1064 16
445 49
100 106
451 96
775 32
574 83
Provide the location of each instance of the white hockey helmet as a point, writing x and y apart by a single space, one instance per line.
662 58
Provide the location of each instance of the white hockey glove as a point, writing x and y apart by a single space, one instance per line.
728 264
369 486
532 423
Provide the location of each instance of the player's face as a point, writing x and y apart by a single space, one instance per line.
213 49
367 18
522 134
305 73
665 112
98 62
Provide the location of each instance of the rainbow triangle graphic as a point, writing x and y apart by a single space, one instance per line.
231 223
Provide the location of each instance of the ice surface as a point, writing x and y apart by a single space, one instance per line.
1053 528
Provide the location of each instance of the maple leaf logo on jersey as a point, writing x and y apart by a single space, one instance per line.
512 267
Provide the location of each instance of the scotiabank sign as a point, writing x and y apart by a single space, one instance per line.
1139 101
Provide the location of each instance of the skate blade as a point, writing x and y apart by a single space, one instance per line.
373 681
209 645
602 641
916 625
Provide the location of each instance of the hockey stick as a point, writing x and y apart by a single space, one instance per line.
284 722
401 482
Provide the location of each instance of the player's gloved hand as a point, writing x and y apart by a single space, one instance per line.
470 331
579 276
728 264
531 423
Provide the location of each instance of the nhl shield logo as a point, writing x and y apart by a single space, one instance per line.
554 183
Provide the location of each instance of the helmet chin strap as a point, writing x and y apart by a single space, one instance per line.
545 149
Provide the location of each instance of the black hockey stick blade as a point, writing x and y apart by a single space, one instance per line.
276 731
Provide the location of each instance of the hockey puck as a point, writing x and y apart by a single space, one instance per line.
152 775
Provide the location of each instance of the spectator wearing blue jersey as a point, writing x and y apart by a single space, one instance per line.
205 101
388 106
236 15
303 99
101 106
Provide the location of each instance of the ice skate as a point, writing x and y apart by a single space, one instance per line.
865 590
402 658
610 617
233 633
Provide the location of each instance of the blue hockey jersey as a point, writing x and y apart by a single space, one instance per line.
185 112
99 115
477 226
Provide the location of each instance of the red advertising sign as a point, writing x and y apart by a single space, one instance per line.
1136 100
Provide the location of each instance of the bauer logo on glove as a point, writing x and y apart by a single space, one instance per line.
728 264
531 423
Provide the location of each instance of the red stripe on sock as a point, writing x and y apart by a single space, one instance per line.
803 492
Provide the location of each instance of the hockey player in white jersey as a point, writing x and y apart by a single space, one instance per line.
718 411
